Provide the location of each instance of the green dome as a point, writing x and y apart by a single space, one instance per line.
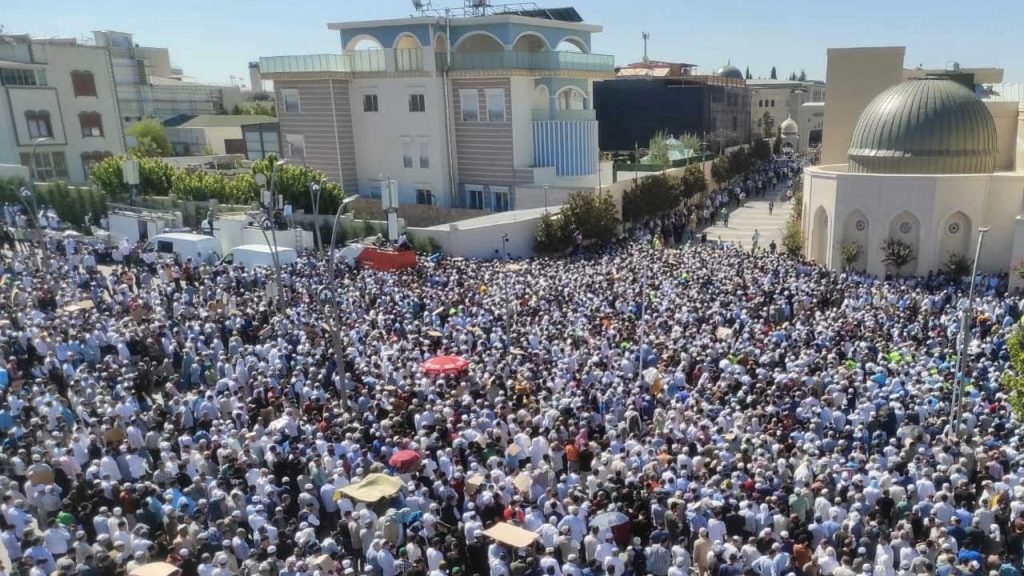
925 126
729 71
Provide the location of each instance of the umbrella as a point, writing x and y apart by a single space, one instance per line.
405 459
445 365
615 522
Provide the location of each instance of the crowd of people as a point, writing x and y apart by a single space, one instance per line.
697 411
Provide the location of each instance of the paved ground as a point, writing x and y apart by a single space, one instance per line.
754 216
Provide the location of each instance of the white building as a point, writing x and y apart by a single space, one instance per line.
149 87
782 99
57 97
474 111
927 163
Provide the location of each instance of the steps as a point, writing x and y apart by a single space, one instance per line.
754 216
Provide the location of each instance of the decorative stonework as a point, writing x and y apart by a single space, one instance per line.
905 227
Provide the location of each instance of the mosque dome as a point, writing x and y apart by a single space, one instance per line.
789 127
931 125
729 71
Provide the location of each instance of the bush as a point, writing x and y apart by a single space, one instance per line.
957 265
896 253
793 239
850 253
693 181
593 216
552 237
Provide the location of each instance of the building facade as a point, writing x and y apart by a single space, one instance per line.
460 111
648 97
58 107
781 100
927 163
149 87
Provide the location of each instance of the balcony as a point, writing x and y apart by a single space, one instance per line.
563 115
358 62
575 62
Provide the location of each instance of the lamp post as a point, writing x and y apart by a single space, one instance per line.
330 312
965 324
314 200
546 196
29 194
26 196
272 239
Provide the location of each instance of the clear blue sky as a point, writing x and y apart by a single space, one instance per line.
213 39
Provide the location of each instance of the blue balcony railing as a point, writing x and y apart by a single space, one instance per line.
355 61
512 60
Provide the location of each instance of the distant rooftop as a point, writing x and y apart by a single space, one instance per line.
568 14
216 120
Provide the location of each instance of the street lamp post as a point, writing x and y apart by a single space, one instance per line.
29 194
330 312
965 325
546 196
314 200
272 239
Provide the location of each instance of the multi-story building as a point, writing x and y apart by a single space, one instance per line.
783 100
149 87
652 96
463 110
58 107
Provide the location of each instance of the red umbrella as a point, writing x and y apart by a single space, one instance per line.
404 459
445 365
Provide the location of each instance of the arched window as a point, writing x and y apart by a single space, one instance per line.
92 124
83 83
39 125
571 99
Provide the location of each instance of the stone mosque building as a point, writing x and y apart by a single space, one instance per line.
915 155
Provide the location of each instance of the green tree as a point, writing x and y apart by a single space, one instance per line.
691 141
155 177
850 253
760 150
552 236
254 109
593 216
767 124
151 139
792 76
747 75
793 239
803 75
657 149
651 196
740 162
693 181
774 75
293 183
720 170
1013 379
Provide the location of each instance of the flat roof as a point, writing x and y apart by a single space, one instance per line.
466 21
217 120
183 236
499 218
263 248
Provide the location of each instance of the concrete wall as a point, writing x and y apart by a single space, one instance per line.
481 242
1006 116
854 77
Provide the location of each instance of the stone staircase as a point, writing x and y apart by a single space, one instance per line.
754 216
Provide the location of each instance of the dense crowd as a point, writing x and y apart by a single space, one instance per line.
700 411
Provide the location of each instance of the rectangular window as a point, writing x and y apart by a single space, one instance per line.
417 103
83 83
38 124
495 104
375 190
407 154
424 196
475 197
424 155
501 200
469 102
47 166
370 103
20 77
92 124
291 100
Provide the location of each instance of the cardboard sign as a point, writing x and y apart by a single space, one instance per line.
40 477
114 435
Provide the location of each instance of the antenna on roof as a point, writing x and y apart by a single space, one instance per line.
420 5
477 7
646 36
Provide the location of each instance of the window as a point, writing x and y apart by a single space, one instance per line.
38 124
417 103
407 154
83 83
21 77
47 166
500 201
773 103
370 103
571 99
92 124
90 160
375 191
495 104
760 103
424 155
475 197
424 196
469 102
291 100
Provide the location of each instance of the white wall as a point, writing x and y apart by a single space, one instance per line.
480 242
378 135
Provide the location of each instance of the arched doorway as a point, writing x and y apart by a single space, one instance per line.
856 231
541 103
530 42
571 98
819 235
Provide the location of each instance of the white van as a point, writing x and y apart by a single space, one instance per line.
250 255
200 248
